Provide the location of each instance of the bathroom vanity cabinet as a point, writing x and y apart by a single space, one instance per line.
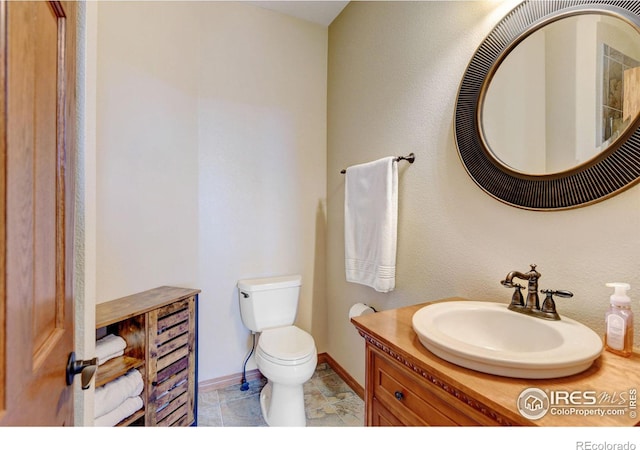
408 385
160 329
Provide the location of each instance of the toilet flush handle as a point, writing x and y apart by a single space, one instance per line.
244 294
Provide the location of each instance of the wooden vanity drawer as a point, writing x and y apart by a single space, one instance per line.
403 396
399 395
382 417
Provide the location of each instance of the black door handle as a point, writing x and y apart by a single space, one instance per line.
87 368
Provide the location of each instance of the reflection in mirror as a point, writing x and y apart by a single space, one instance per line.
563 94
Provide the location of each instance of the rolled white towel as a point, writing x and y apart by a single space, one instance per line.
130 405
104 359
114 393
108 347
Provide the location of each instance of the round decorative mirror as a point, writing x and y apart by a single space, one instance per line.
547 116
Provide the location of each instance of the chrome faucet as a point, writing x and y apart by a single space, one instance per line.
532 305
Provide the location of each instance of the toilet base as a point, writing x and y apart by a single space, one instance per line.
283 405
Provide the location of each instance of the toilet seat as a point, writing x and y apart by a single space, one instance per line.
287 346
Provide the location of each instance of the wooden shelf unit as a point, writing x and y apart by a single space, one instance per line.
160 328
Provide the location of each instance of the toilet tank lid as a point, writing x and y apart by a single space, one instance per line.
263 284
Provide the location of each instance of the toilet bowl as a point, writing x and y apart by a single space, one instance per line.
287 357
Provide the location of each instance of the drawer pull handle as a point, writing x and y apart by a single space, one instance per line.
399 395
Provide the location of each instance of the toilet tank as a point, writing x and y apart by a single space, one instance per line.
269 302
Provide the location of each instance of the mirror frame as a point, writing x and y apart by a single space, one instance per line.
609 173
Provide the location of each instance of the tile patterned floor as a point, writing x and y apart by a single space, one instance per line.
329 402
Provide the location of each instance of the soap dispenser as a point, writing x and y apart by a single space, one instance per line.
618 337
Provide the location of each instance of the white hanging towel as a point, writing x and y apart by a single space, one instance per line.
370 223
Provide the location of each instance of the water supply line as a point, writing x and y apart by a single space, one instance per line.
244 386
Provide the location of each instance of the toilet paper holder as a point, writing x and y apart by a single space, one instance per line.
361 309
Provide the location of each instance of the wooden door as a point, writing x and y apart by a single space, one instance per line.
37 147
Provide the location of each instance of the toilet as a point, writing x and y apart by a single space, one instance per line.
285 354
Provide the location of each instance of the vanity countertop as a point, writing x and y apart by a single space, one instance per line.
613 379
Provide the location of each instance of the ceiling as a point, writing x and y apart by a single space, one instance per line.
321 12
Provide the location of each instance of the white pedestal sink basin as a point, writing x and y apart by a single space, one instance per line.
490 338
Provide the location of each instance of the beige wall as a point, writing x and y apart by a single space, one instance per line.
147 147
211 156
394 70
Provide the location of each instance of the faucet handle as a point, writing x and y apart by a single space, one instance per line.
517 300
549 306
564 294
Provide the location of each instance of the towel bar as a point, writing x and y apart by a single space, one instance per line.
411 158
